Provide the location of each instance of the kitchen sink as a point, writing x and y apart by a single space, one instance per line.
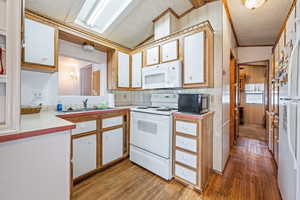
86 109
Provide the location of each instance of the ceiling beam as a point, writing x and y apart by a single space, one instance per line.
198 3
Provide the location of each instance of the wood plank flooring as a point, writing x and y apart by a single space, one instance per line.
253 131
249 175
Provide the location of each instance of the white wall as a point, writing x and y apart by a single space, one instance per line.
229 46
212 12
253 54
37 87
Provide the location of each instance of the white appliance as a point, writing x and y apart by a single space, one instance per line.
289 131
166 75
151 135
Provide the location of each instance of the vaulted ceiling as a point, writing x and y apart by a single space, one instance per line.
260 26
129 29
252 27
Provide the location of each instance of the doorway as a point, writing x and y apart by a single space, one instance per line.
253 101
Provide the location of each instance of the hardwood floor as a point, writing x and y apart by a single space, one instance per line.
249 175
253 131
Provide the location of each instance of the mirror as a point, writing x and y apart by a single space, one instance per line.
78 77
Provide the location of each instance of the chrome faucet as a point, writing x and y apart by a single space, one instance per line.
85 103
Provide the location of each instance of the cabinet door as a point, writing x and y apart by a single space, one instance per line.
112 142
169 51
136 78
162 27
194 53
123 70
152 56
39 43
84 153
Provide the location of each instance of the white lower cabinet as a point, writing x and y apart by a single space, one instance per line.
84 155
112 142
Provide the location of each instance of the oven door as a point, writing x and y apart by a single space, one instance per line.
154 77
151 132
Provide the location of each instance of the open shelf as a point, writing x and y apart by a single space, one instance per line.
3 78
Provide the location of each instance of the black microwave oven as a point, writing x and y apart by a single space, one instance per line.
193 103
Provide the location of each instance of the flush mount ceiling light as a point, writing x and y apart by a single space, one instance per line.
253 4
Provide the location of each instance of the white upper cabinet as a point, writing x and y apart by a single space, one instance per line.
194 62
169 51
40 43
123 70
165 25
152 55
136 67
84 152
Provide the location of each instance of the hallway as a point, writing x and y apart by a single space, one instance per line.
253 131
249 175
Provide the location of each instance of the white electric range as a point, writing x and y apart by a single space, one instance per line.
151 134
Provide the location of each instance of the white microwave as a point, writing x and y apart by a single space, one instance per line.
166 75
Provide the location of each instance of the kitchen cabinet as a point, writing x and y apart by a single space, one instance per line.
165 25
198 59
98 141
152 55
194 55
84 155
169 51
136 70
123 70
192 149
112 145
41 46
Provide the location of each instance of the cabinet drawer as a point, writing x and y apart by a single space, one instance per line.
112 121
83 127
186 127
186 158
186 174
186 143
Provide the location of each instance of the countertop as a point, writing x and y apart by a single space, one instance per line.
48 122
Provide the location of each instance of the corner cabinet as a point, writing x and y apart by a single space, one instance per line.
40 51
198 60
98 142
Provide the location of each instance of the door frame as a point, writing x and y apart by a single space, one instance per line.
267 96
233 128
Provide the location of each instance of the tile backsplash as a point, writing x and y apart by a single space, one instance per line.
128 98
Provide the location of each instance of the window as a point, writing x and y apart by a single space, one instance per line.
98 15
254 98
254 93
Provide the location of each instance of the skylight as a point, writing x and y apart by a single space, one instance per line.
99 15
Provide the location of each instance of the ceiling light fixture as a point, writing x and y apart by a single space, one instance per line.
96 12
253 4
